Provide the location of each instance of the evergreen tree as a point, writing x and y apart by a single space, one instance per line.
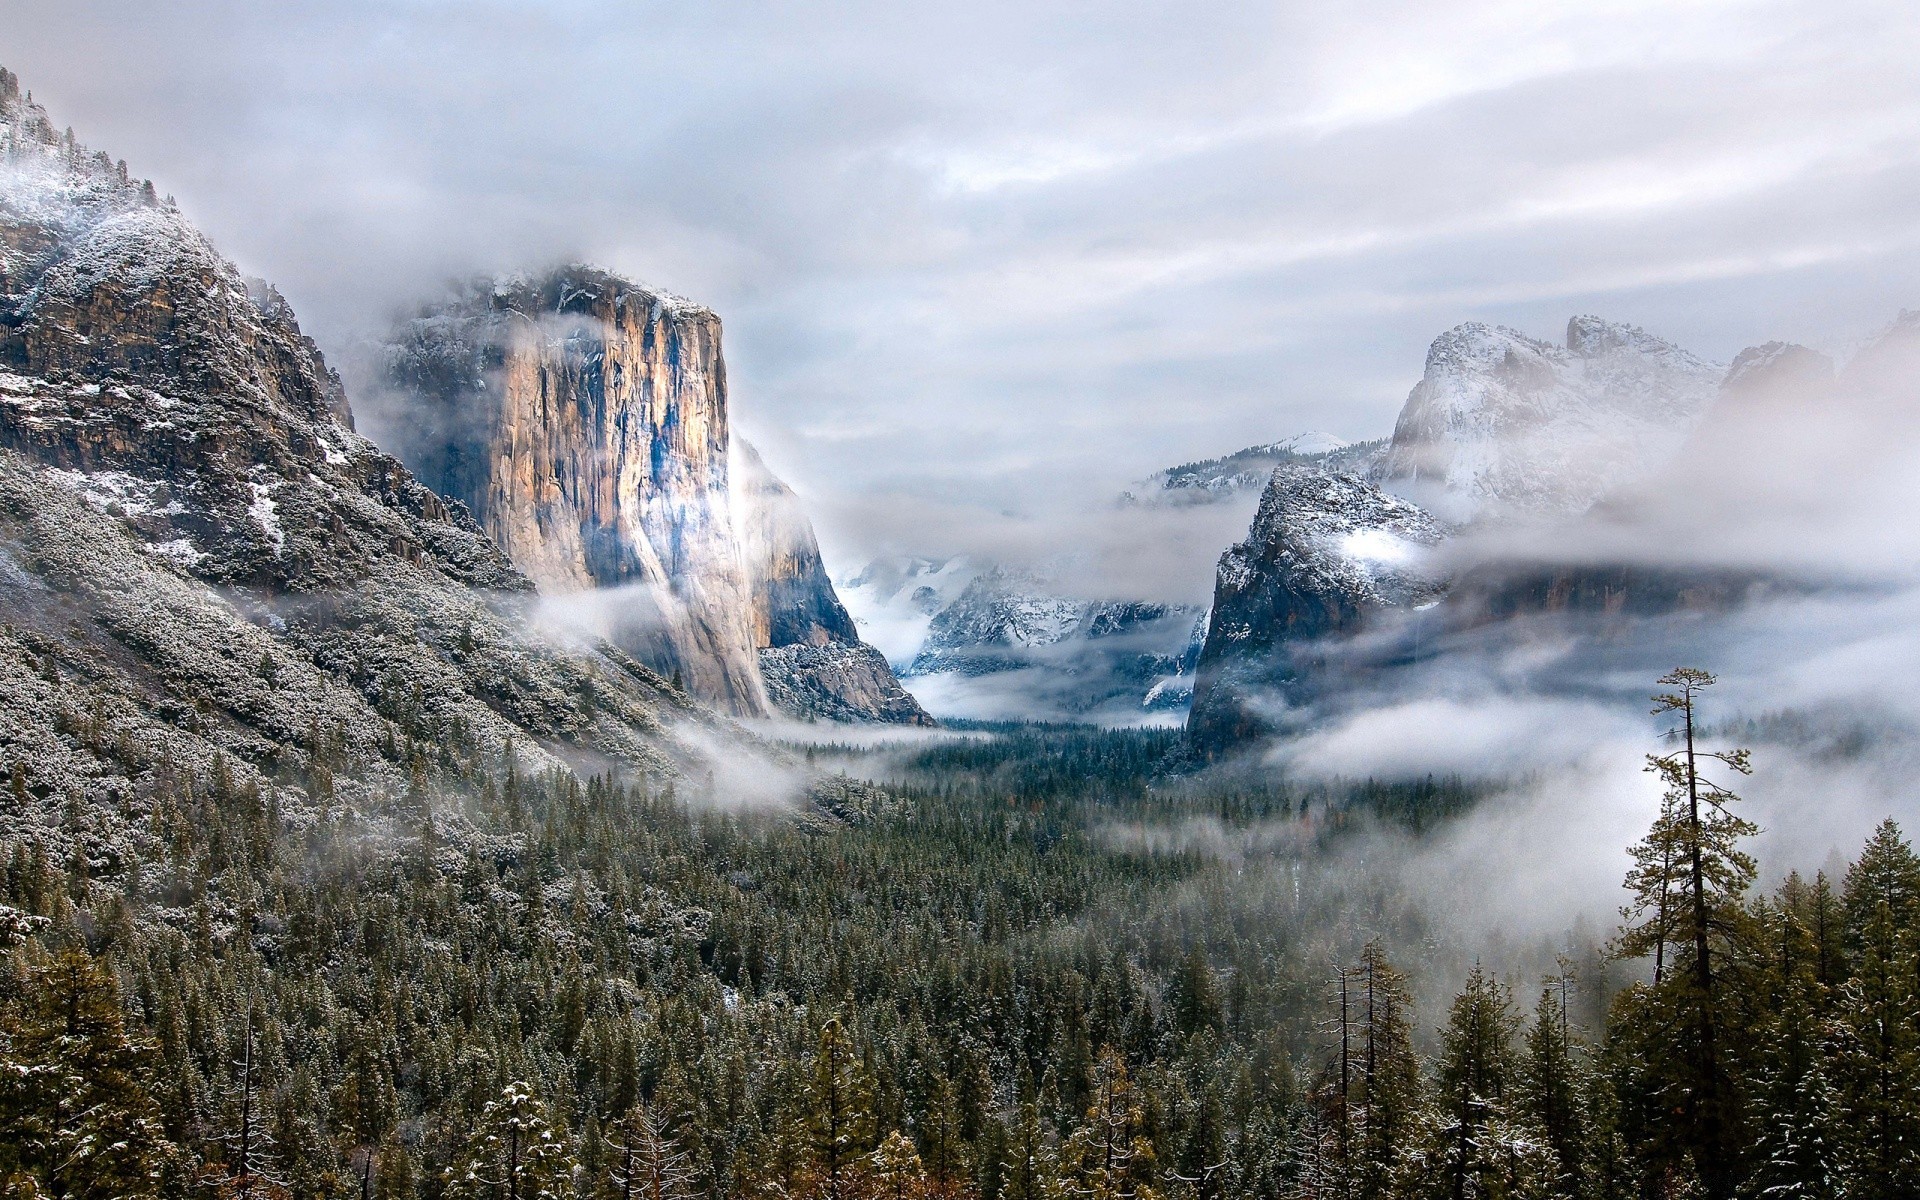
840 1111
1475 1150
644 1162
513 1153
1877 1062
1109 1156
897 1171
1793 1107
1389 1097
1556 1092
1688 880
77 1115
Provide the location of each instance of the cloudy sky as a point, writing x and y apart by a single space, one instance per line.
995 255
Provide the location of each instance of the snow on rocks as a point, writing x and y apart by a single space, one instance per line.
1504 426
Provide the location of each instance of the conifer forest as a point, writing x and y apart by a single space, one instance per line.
499 983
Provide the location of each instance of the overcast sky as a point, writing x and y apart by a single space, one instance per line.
996 254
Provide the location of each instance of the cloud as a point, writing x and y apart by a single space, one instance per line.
1493 737
967 253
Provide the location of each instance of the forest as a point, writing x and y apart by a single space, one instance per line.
985 979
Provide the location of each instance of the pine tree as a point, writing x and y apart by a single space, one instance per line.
897 1171
1389 1096
1109 1157
1474 1150
1877 1062
77 1115
1793 1107
513 1153
644 1160
840 1112
1556 1093
1688 880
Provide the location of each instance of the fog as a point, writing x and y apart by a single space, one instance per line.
974 260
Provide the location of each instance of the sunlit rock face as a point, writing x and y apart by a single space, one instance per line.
583 419
1326 552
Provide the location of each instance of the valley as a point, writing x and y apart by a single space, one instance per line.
517 805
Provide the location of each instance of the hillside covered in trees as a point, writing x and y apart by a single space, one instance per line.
523 985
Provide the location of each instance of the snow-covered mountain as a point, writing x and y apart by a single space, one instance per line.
976 640
1501 430
1245 472
1502 426
205 568
1326 552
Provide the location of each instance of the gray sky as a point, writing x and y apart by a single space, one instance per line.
999 255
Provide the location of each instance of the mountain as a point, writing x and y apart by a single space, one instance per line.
1110 656
1327 552
209 580
982 640
1213 480
1502 426
810 655
1501 431
583 420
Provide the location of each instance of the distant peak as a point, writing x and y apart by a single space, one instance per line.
1777 364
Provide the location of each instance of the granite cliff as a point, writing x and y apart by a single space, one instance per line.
810 654
1327 552
584 421
1502 433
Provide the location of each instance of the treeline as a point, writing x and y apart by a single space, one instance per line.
548 987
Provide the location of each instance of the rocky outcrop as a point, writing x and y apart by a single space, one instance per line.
1502 426
1326 554
206 573
583 419
838 681
810 654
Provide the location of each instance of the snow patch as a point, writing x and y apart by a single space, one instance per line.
266 516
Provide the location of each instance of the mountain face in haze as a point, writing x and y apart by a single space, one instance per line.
994 642
1502 426
206 573
1215 480
810 655
583 420
1502 430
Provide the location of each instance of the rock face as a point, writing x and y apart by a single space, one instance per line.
1327 552
1502 426
583 419
810 654
203 568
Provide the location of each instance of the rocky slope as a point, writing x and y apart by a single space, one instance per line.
1327 551
1501 431
810 653
205 573
584 421
1502 426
